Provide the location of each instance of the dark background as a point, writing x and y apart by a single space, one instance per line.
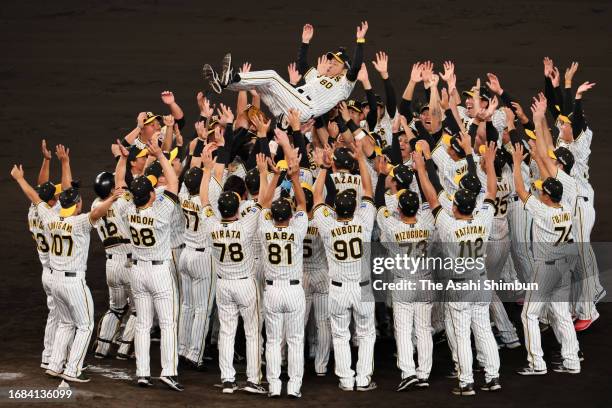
78 72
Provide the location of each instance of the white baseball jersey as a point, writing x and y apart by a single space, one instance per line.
150 228
113 229
283 249
449 170
570 189
346 241
232 242
40 235
552 229
315 261
498 119
505 188
195 235
178 223
325 92
344 180
69 239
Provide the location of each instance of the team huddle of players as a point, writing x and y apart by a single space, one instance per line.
271 220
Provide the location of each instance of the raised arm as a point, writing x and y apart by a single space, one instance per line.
121 167
517 159
208 163
266 195
427 188
543 140
30 193
489 158
381 64
101 209
294 174
63 154
43 174
169 173
167 98
362 29
416 76
169 123
366 179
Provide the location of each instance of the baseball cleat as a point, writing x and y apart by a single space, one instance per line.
422 383
144 382
226 70
492 385
44 366
529 370
274 395
294 395
407 383
255 388
229 387
371 386
466 390
52 373
212 77
344 388
99 355
121 356
452 374
81 378
582 324
172 382
560 368
557 358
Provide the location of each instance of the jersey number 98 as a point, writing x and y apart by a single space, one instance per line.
144 237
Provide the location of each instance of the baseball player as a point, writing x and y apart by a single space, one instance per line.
47 192
410 234
153 285
283 236
69 239
345 232
198 285
114 232
232 251
332 81
553 253
465 234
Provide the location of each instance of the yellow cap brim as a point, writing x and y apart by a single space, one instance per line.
564 119
538 184
143 153
400 192
58 189
482 149
458 178
468 93
173 154
151 119
335 56
67 212
530 134
152 179
307 186
282 164
377 150
552 155
446 139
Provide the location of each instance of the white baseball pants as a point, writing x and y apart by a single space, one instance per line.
409 316
317 300
52 317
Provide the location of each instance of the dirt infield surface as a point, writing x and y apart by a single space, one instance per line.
78 72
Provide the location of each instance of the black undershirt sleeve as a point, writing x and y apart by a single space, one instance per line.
391 103
351 75
302 61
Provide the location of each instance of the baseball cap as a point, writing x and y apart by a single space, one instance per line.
229 202
470 182
46 191
135 153
340 56
484 93
354 105
192 179
564 156
153 172
502 157
403 175
69 199
408 202
309 193
345 203
150 117
456 146
343 158
251 179
281 210
378 99
171 155
465 201
141 189
552 187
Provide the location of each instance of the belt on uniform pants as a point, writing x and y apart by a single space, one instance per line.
245 277
135 262
180 246
339 284
554 261
200 249
66 274
302 91
586 199
291 282
110 256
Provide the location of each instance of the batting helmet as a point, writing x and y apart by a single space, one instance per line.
252 181
104 184
343 159
471 183
46 191
402 175
141 189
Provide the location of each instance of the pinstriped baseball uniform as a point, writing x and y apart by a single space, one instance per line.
313 99
554 254
69 239
383 127
177 242
152 282
343 180
498 119
347 250
448 169
411 308
198 281
42 239
316 289
284 297
469 311
232 252
114 234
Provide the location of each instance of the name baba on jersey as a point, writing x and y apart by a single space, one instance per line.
430 285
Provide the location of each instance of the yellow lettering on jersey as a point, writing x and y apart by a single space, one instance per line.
561 218
470 230
191 206
461 170
138 219
346 229
283 236
402 236
36 223
60 226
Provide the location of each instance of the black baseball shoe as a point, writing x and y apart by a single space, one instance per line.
294 395
407 383
557 358
529 370
453 373
560 368
422 383
253 388
144 382
371 386
492 385
81 378
229 387
226 70
212 77
172 382
99 355
466 390
121 356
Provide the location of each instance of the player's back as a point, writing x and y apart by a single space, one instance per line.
113 228
40 235
343 180
314 251
195 234
552 230
283 247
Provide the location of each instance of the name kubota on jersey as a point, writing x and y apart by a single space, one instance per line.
346 229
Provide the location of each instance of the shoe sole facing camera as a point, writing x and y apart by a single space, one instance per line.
76 379
173 385
226 69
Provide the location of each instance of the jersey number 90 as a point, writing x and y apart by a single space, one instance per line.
344 250
143 237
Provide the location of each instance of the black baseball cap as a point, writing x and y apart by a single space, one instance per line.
553 188
408 203
340 56
135 153
69 199
465 201
564 156
252 181
46 191
229 203
484 93
403 175
192 179
153 172
345 204
307 188
281 210
141 189
354 105
343 158
456 146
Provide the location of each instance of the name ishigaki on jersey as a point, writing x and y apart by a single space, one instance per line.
414 264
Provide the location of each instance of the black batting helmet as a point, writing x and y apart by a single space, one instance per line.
343 159
141 189
46 191
235 184
104 184
192 180
402 175
229 202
